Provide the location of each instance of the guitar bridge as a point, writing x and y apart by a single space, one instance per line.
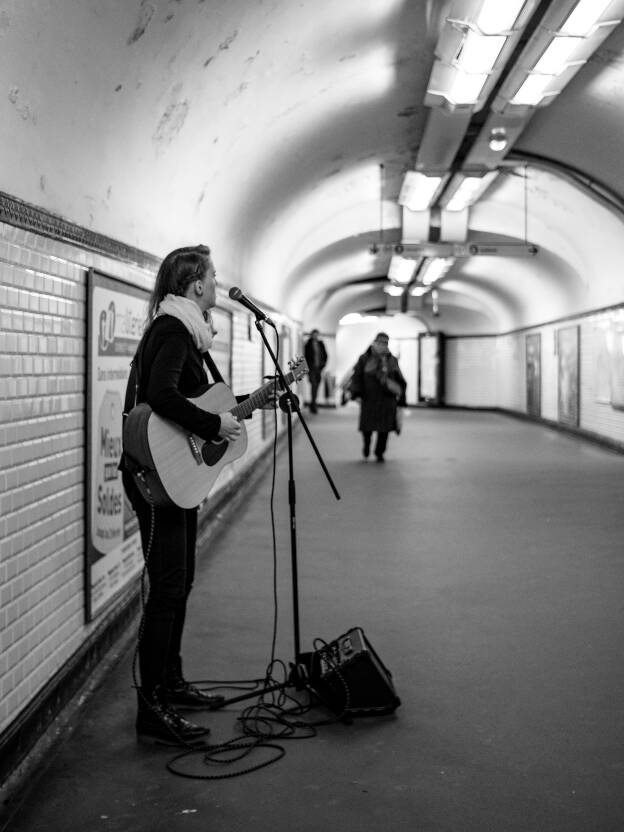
195 449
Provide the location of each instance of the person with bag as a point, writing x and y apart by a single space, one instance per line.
167 370
378 383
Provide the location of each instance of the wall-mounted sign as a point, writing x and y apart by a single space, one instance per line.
115 319
568 346
534 374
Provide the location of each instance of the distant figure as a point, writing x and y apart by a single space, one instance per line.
316 358
379 384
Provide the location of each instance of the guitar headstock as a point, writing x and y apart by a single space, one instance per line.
298 367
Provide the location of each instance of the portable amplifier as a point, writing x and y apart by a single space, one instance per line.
350 678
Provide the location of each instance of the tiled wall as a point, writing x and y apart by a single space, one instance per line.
491 372
470 376
43 292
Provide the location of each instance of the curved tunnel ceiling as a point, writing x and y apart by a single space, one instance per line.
279 133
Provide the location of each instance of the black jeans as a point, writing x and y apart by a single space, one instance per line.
380 444
171 569
314 377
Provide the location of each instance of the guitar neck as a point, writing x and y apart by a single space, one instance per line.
257 399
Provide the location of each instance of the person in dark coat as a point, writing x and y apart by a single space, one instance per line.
316 359
379 384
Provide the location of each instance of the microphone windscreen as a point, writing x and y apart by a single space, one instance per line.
235 293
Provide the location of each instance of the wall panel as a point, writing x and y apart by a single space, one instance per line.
470 377
491 372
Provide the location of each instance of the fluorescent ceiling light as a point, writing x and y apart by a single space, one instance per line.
464 88
401 269
418 190
417 290
567 49
436 269
499 15
469 190
584 17
464 195
392 289
557 57
532 91
478 53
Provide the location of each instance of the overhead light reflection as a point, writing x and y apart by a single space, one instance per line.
355 318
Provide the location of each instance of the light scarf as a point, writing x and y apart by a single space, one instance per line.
187 311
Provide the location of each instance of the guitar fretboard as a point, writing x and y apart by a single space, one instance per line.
257 399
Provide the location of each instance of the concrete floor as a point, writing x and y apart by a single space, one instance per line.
483 561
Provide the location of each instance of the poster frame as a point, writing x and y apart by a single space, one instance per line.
127 562
568 375
533 352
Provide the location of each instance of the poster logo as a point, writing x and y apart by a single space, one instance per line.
106 335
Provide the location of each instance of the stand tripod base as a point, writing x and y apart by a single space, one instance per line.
298 678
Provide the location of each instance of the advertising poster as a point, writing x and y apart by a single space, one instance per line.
430 368
568 371
534 374
116 316
615 346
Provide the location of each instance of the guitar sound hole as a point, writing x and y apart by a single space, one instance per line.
213 451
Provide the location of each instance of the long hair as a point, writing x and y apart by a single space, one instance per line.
177 271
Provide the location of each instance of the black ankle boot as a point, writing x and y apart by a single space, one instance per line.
158 722
182 694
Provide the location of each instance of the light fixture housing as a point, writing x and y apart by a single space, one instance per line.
565 39
472 50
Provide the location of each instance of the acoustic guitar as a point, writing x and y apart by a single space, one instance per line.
173 467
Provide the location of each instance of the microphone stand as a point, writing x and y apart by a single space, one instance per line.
289 403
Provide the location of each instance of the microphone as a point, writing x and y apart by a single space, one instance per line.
236 294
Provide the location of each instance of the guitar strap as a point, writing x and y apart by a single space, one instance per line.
214 372
134 379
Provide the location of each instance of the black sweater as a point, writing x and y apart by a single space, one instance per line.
171 370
